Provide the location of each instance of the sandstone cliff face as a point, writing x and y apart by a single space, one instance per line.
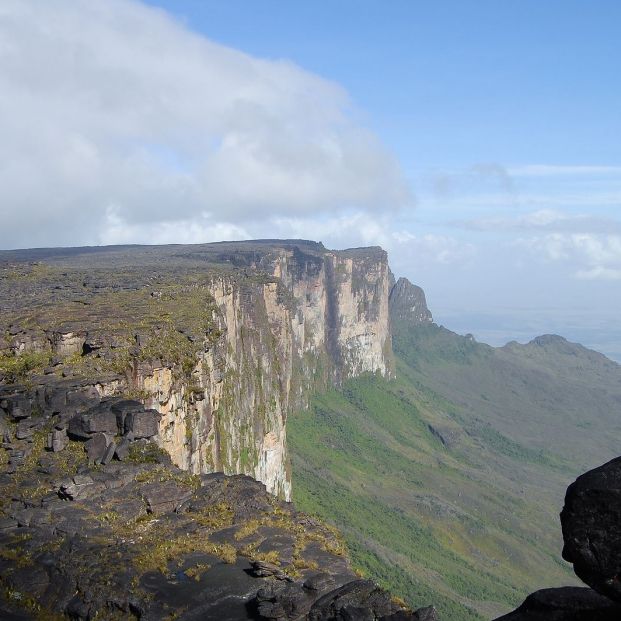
287 319
324 318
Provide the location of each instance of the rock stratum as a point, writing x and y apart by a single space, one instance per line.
224 340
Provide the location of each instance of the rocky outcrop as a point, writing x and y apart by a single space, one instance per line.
135 537
591 523
565 604
407 303
223 340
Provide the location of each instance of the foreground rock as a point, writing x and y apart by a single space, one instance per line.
84 535
591 521
566 604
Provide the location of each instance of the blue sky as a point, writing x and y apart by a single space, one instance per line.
496 111
478 142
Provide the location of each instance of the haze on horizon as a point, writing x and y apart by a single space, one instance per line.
477 142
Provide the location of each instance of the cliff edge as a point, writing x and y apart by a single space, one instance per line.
224 340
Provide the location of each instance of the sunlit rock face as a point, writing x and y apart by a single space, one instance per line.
322 319
264 324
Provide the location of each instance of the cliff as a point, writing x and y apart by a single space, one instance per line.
407 303
224 340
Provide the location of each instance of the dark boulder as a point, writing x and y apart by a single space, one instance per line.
142 424
565 604
124 407
109 453
359 594
17 407
591 522
98 419
96 447
122 450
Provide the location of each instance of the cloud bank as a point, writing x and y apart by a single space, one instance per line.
120 125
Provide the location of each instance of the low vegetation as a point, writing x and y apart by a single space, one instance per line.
447 481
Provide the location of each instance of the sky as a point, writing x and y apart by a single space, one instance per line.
478 142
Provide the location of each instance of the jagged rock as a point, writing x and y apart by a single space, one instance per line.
80 486
318 582
264 569
17 407
428 613
289 601
565 604
271 610
124 407
591 522
109 453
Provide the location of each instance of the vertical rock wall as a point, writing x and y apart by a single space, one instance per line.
318 318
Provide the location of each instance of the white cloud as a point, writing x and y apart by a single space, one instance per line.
115 230
592 257
111 102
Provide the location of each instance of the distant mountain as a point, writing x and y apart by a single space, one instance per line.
447 481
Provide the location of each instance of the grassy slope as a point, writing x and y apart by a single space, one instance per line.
469 524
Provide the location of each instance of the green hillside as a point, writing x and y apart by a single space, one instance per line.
447 481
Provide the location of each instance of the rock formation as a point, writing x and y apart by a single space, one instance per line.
407 303
133 380
591 523
104 526
224 340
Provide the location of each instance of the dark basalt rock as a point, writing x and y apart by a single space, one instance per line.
591 522
57 440
350 600
565 604
17 407
428 613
